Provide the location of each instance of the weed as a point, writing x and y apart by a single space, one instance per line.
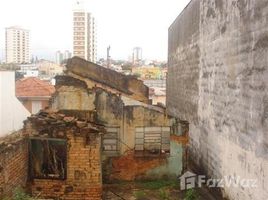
163 194
191 195
139 195
157 184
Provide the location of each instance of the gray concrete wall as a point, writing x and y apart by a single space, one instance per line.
218 81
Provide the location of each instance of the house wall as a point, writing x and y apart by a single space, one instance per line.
13 165
12 111
28 104
83 180
158 99
127 85
217 80
109 110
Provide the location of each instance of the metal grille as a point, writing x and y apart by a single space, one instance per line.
110 140
154 140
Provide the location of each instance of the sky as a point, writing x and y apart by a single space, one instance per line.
122 24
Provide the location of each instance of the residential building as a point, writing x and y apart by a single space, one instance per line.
17 45
104 117
34 93
59 57
67 54
13 113
48 69
157 95
137 55
29 70
84 34
122 104
151 83
149 72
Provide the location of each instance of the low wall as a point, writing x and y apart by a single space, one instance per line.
13 164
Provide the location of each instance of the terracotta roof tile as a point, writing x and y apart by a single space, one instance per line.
33 87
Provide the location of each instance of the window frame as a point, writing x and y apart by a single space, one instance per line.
140 135
107 137
30 161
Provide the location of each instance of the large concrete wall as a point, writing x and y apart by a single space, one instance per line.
218 81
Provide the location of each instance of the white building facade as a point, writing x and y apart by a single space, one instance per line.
13 113
84 34
17 45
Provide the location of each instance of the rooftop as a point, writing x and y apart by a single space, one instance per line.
33 87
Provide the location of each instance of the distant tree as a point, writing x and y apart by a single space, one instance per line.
127 66
136 75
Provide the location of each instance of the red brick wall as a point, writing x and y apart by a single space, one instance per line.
83 172
13 167
129 167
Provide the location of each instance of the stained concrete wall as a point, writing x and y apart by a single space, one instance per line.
218 81
109 79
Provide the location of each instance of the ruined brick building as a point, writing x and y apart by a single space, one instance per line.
218 81
100 128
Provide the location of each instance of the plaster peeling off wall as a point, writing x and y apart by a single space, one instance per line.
218 81
12 112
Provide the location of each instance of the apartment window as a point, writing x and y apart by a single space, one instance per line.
152 141
110 140
48 158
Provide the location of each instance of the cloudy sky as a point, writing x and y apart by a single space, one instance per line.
123 24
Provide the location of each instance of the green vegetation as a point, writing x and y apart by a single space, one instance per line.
164 194
139 194
191 195
19 194
157 184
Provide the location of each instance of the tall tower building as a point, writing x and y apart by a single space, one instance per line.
67 54
17 45
137 55
59 57
84 33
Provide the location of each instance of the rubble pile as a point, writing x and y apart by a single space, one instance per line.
52 123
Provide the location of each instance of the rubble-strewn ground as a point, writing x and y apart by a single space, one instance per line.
151 190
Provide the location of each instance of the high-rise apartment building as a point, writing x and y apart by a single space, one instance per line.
17 45
137 55
84 33
67 54
61 56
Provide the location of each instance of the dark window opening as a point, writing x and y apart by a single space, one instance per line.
48 158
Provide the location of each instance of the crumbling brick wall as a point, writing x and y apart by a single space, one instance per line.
83 173
83 166
13 165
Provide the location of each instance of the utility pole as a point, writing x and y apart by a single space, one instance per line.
108 57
